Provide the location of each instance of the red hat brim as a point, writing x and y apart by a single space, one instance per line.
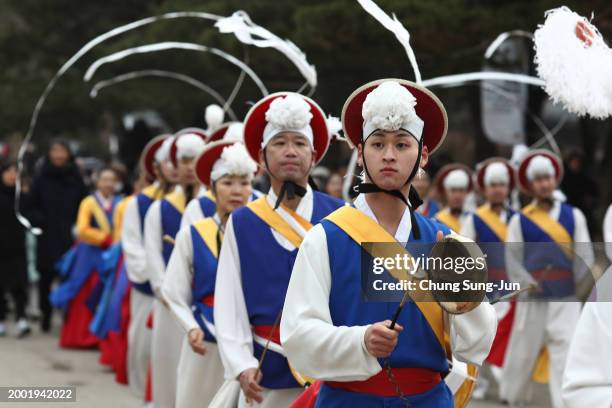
428 108
443 172
147 158
523 181
219 133
481 168
183 132
255 123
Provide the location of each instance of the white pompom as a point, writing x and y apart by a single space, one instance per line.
214 116
289 112
389 106
577 74
334 126
234 161
235 133
189 145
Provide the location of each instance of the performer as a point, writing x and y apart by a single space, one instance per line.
79 265
287 134
162 222
156 164
558 255
453 182
327 330
189 284
495 179
422 185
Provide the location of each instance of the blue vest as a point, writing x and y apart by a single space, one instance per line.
144 202
204 276
171 223
207 206
266 269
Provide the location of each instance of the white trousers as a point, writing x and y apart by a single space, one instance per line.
139 342
165 352
537 324
273 398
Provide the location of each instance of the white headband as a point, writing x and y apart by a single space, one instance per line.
189 145
234 161
390 107
496 173
456 179
163 153
288 114
539 166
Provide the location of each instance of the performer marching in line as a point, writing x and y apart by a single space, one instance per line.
189 284
422 185
156 164
162 222
453 182
287 134
78 266
557 255
327 330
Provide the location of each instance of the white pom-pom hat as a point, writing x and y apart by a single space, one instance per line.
522 172
391 108
495 169
196 142
446 170
224 158
149 155
264 121
230 132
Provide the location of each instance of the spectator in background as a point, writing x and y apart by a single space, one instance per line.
57 190
579 187
14 274
333 185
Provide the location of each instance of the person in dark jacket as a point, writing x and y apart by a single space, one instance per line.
13 274
57 190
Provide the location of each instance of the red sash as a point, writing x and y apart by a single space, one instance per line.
412 381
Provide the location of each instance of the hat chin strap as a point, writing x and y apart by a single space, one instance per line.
289 189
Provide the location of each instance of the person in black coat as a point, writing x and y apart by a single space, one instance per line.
57 190
13 265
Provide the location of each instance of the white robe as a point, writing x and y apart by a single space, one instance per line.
139 336
234 336
539 323
193 210
319 349
199 377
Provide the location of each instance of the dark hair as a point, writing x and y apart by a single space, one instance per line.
64 143
7 164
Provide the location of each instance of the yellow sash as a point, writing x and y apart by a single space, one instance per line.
177 199
362 228
118 217
448 219
552 228
207 228
209 194
491 218
263 210
153 191
99 215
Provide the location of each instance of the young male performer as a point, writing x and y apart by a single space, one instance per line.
327 330
189 284
162 222
287 133
453 182
422 185
155 162
555 256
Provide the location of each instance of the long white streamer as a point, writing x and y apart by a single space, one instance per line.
479 76
503 37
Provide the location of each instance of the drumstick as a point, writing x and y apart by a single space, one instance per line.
399 310
167 238
518 292
265 350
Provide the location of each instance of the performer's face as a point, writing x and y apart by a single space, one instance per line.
232 192
496 193
166 172
289 157
543 187
455 197
185 169
390 157
107 182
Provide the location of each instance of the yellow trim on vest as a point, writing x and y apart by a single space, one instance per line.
551 227
491 218
118 217
209 194
446 218
177 199
263 210
100 215
207 228
361 229
153 192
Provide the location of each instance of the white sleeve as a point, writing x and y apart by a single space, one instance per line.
154 247
313 345
193 213
176 287
585 257
233 329
132 244
472 333
587 379
607 232
514 254
467 228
